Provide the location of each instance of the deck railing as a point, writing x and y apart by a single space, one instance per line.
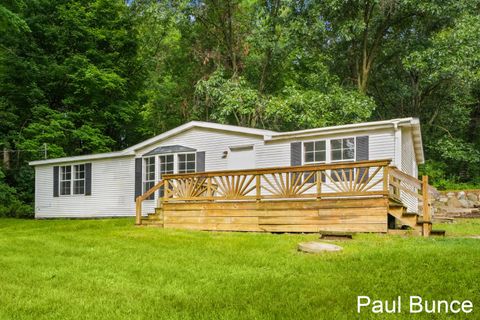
364 178
419 190
352 179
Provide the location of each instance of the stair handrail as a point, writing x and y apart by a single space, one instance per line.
141 198
420 186
396 173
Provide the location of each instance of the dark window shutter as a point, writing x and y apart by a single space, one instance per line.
296 154
55 181
362 154
138 177
88 179
362 148
200 161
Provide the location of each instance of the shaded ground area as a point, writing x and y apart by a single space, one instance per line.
109 269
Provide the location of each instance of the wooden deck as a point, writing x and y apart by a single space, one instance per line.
346 197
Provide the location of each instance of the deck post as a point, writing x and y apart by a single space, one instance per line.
385 180
319 183
209 187
258 189
426 208
165 193
138 210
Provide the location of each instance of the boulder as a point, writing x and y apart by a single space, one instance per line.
454 203
450 195
443 199
472 197
317 247
466 203
461 195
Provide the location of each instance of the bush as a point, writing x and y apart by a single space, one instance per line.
10 205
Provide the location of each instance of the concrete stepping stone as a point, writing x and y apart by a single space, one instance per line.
317 247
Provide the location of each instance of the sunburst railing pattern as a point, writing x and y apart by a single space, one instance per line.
363 178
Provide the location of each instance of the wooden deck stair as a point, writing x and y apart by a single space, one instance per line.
410 220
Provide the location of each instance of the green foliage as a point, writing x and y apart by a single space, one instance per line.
10 205
93 76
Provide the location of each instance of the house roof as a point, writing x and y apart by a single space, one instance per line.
169 149
267 135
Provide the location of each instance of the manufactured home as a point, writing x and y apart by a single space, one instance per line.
358 177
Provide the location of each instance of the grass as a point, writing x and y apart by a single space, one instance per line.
109 269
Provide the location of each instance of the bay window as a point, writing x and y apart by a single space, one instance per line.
186 162
149 175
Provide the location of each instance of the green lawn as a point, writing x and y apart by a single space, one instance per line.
109 269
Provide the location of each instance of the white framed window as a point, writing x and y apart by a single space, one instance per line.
65 180
186 162
315 152
72 180
167 165
342 149
149 175
79 179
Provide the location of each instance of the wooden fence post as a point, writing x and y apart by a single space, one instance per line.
427 222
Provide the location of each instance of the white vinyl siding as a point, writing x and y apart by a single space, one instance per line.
277 153
113 179
113 187
213 142
409 166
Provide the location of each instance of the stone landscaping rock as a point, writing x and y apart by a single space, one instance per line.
461 195
317 247
466 203
450 195
454 203
443 199
472 197
474 237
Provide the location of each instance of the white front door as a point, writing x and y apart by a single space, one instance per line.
240 158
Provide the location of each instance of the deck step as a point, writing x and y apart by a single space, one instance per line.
154 216
332 235
410 214
392 202
148 222
440 233
405 232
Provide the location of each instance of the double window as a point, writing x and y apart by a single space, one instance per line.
340 150
72 180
